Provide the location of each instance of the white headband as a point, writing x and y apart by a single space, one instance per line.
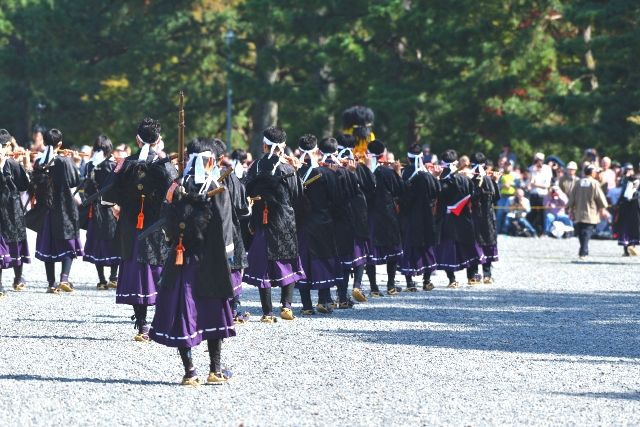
45 156
238 168
97 158
373 160
200 174
314 163
273 146
418 163
345 152
146 147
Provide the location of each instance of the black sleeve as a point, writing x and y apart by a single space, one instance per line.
20 177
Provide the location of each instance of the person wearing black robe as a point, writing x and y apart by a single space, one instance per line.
316 230
14 249
457 248
100 248
384 221
419 236
195 290
485 197
627 220
139 186
273 255
241 209
357 184
55 214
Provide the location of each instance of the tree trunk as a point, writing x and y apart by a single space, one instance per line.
265 109
588 58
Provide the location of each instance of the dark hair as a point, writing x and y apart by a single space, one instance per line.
239 154
307 142
346 141
589 169
149 130
479 159
52 137
449 156
39 129
275 135
104 144
5 137
328 145
220 148
376 147
200 145
414 149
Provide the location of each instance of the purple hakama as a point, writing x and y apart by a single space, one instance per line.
417 260
321 273
236 282
50 249
359 255
265 273
13 254
184 319
454 256
99 251
137 281
490 253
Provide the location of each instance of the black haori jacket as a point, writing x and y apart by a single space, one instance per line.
351 219
458 228
240 208
627 218
206 228
323 197
417 206
51 189
151 178
485 195
13 180
383 211
104 220
279 193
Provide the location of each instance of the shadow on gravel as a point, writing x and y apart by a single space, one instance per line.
631 395
592 324
75 321
55 337
28 377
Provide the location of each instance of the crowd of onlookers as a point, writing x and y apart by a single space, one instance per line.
533 198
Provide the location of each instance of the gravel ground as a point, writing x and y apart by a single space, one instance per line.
554 341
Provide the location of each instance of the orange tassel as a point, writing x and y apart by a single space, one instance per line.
140 224
180 252
265 214
90 214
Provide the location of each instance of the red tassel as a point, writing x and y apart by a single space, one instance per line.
90 214
140 224
265 214
180 252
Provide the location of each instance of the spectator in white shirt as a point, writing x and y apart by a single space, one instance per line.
541 176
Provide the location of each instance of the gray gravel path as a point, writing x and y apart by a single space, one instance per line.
554 341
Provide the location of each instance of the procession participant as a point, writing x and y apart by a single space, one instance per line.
241 208
627 221
273 255
316 231
352 225
457 248
358 122
55 213
100 248
139 187
195 291
14 250
587 205
419 235
486 194
384 223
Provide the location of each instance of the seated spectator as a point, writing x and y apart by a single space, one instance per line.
554 204
516 222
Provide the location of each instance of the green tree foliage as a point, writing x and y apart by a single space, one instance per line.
551 75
